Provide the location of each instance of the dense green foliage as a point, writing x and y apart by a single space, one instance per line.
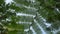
10 21
8 18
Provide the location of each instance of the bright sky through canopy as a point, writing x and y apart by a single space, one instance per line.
8 1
